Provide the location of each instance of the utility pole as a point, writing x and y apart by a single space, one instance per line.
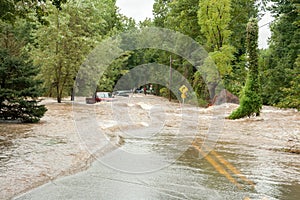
170 80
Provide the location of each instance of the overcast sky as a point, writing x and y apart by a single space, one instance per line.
142 9
137 9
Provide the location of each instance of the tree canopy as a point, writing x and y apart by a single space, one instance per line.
250 100
280 69
52 38
19 87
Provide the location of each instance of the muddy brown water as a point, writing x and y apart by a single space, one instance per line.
32 154
259 148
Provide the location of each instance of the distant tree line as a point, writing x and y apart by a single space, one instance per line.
49 40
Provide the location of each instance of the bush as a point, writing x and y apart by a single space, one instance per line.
164 92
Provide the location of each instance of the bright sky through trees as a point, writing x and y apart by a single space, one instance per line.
142 9
264 32
137 9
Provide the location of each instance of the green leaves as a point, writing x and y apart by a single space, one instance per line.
292 94
73 31
280 71
214 17
19 89
250 101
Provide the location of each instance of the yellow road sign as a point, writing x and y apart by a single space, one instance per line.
183 89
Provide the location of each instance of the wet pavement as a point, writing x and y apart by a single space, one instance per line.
194 154
33 154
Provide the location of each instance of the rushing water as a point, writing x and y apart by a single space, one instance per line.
248 159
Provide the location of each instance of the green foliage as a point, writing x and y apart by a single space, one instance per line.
11 10
182 17
292 94
19 89
223 58
7 10
164 92
73 31
113 73
59 34
160 11
241 11
56 51
279 68
235 81
250 101
200 89
214 18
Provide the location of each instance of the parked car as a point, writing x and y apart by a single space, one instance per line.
100 96
139 90
103 96
123 93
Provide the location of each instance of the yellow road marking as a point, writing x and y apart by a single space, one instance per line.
217 166
231 167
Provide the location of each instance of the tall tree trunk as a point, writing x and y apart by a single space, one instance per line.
72 94
58 95
58 71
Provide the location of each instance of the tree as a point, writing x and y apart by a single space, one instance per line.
284 50
211 23
54 52
179 16
241 12
182 17
250 101
62 45
214 18
201 89
19 88
11 10
160 11
292 94
113 73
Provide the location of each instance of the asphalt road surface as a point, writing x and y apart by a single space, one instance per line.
170 151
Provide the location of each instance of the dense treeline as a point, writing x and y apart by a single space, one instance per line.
54 37
280 65
45 42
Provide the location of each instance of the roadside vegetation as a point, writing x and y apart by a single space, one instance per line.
44 42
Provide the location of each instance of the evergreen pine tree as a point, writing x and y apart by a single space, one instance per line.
250 101
19 89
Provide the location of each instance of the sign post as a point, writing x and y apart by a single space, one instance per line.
183 89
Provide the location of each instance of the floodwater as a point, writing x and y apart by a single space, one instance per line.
145 147
33 154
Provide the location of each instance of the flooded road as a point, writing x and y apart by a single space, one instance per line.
33 154
157 150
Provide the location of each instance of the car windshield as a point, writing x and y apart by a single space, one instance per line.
103 94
